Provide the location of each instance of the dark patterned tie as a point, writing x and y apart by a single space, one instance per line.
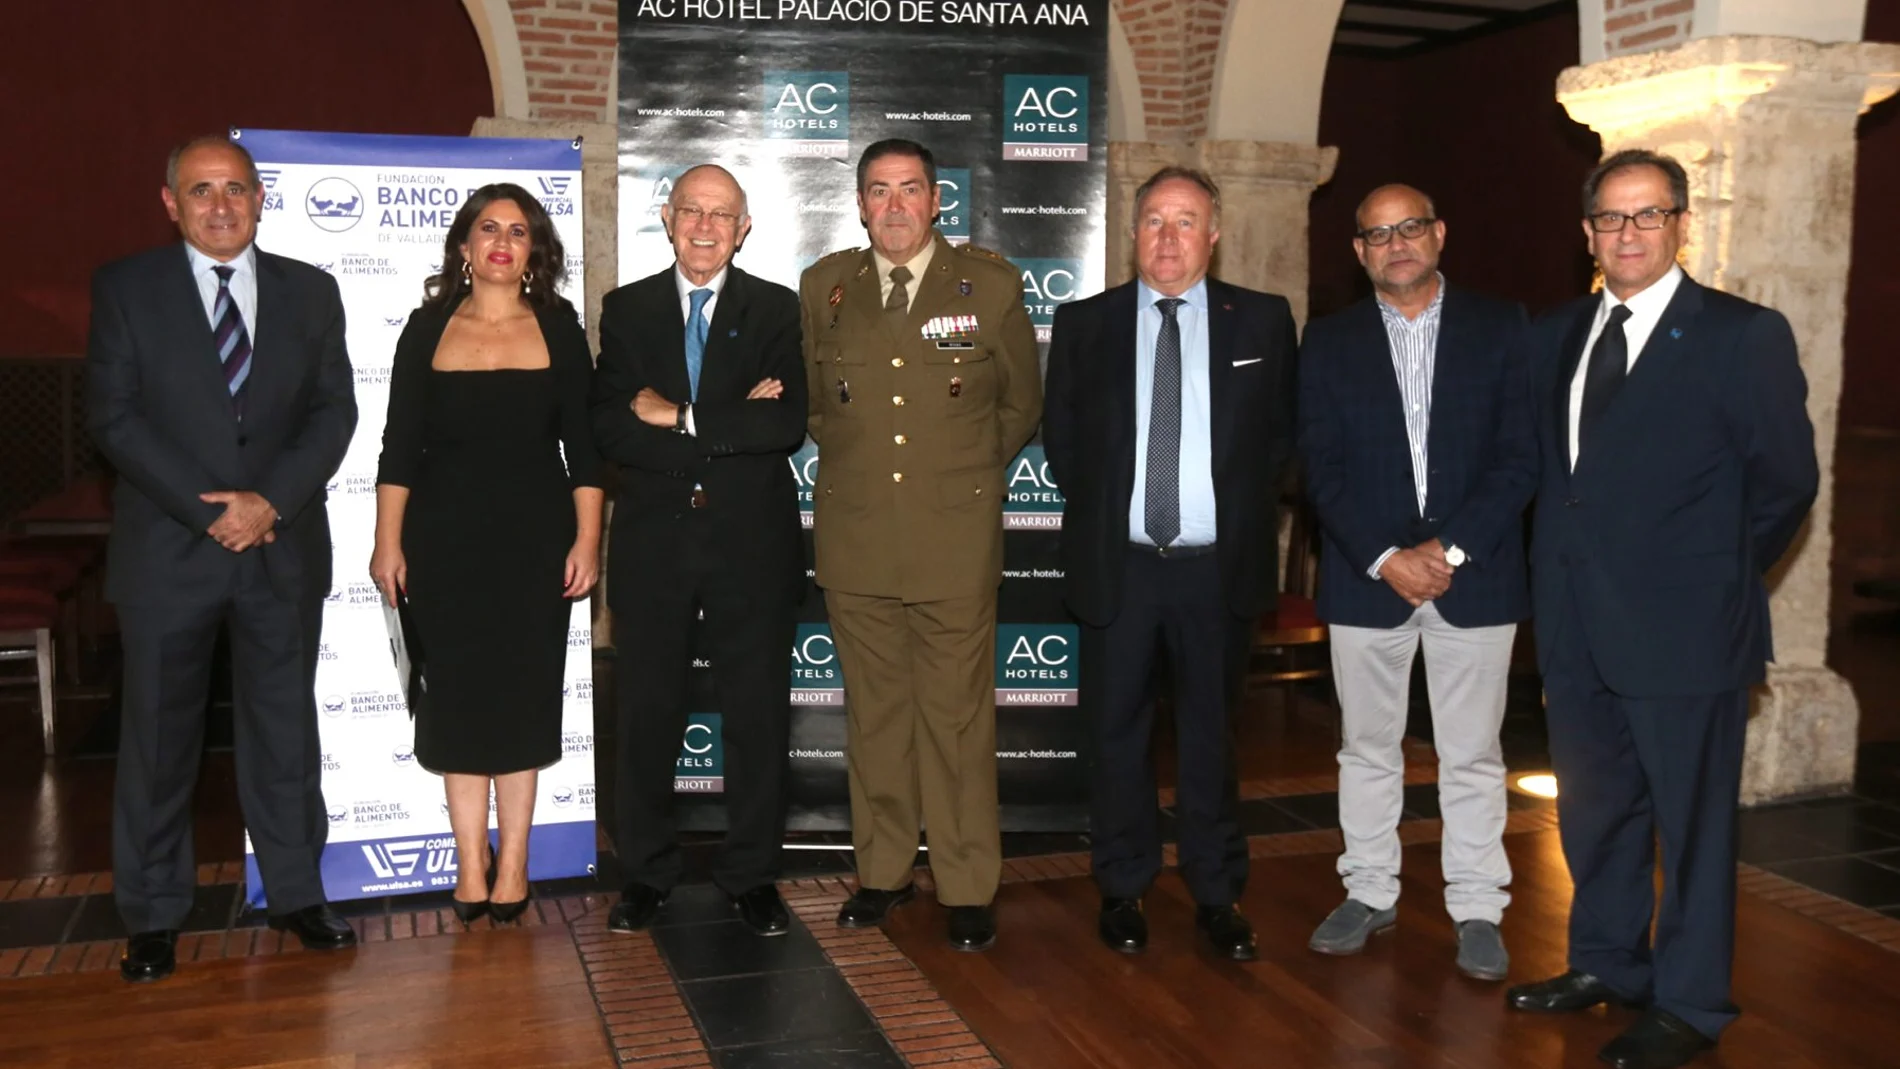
233 341
1609 365
1161 504
898 303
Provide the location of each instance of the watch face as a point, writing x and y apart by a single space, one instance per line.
1454 556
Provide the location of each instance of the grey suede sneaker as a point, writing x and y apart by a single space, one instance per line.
1481 953
1346 929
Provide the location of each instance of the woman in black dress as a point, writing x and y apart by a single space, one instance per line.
488 509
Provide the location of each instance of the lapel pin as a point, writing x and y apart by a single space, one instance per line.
733 333
964 287
1675 332
862 268
956 386
837 294
1227 307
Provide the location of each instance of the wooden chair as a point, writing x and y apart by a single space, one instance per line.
1290 643
27 618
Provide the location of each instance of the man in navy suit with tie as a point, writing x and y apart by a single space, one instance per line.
1678 464
1168 422
700 398
1415 425
219 388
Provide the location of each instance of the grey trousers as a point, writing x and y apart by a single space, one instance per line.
1466 670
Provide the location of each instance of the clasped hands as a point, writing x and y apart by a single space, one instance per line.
653 408
246 522
1419 574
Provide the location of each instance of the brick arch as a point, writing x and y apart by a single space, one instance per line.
1176 45
566 50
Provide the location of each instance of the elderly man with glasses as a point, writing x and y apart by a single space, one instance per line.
1416 429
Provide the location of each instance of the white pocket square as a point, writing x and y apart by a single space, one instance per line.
1244 363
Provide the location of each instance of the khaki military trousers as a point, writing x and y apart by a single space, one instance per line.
920 704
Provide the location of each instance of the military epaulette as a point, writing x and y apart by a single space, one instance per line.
992 254
840 254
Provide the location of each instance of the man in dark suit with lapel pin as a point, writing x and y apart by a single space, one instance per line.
1168 422
1678 464
699 396
1415 425
219 388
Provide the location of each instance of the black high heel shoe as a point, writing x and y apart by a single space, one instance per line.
469 912
509 912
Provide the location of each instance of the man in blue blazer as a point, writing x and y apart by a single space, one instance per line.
1415 425
1678 464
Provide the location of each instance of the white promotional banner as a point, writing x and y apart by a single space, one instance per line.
374 211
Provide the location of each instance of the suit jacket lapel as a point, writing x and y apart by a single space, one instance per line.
1661 352
271 335
1121 318
667 372
197 344
1568 359
717 371
1448 358
1220 372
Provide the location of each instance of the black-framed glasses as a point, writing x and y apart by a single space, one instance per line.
1647 219
1409 229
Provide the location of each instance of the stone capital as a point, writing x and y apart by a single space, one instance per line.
1722 76
1275 162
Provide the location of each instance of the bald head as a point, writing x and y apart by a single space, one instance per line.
1399 241
1408 202
707 219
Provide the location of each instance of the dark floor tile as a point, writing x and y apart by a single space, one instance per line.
1261 817
572 885
1855 829
212 907
699 903
1421 801
865 1050
729 948
1316 810
427 900
1768 846
1854 879
779 1007
1886 858
98 919
33 922
1891 911
361 907
805 864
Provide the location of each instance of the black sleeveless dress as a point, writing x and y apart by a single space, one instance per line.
491 460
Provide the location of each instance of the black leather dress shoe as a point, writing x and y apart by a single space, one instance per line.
1123 926
763 910
1568 993
1230 933
972 928
637 907
149 956
1658 1040
317 927
868 905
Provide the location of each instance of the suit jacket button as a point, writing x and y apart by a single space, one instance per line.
243 440
1570 502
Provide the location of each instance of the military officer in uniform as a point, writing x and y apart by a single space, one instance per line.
924 384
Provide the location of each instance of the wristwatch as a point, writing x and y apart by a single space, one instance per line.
679 418
1454 556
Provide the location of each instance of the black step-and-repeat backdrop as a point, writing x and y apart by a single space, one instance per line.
1011 99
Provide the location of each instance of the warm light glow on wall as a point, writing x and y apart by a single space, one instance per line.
1537 784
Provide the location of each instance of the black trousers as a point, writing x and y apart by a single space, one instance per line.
168 650
1176 606
1631 771
749 632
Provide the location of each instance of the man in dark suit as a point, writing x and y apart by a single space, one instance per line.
1415 425
700 397
219 388
1169 404
1678 464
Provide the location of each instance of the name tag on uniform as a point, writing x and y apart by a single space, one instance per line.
961 326
956 345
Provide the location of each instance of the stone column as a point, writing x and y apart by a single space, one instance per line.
1765 127
600 228
1265 189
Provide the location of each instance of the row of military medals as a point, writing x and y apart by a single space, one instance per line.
941 328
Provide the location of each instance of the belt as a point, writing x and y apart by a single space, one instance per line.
1171 552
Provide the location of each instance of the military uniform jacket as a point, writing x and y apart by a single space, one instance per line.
915 420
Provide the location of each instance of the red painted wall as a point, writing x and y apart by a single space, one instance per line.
97 92
1870 394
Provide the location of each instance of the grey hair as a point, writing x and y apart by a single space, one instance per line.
1187 174
206 141
1631 158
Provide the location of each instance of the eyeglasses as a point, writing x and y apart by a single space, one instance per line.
1647 219
690 215
1409 229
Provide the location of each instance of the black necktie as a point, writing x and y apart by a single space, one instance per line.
1161 503
1609 365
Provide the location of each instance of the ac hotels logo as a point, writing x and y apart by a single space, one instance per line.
808 113
1046 117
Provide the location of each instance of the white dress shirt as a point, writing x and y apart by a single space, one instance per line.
1646 309
243 285
1414 345
1197 421
686 286
918 265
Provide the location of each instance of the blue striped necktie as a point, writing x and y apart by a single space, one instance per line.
234 342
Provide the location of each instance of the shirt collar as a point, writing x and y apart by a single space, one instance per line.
686 286
1429 315
1650 302
918 264
1196 296
245 262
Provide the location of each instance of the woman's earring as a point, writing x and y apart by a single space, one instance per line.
468 274
527 279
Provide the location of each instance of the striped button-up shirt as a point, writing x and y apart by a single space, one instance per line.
1414 345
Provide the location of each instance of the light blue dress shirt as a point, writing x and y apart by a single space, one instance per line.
1197 422
243 286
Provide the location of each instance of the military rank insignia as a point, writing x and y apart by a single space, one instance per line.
837 294
964 287
956 386
941 327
